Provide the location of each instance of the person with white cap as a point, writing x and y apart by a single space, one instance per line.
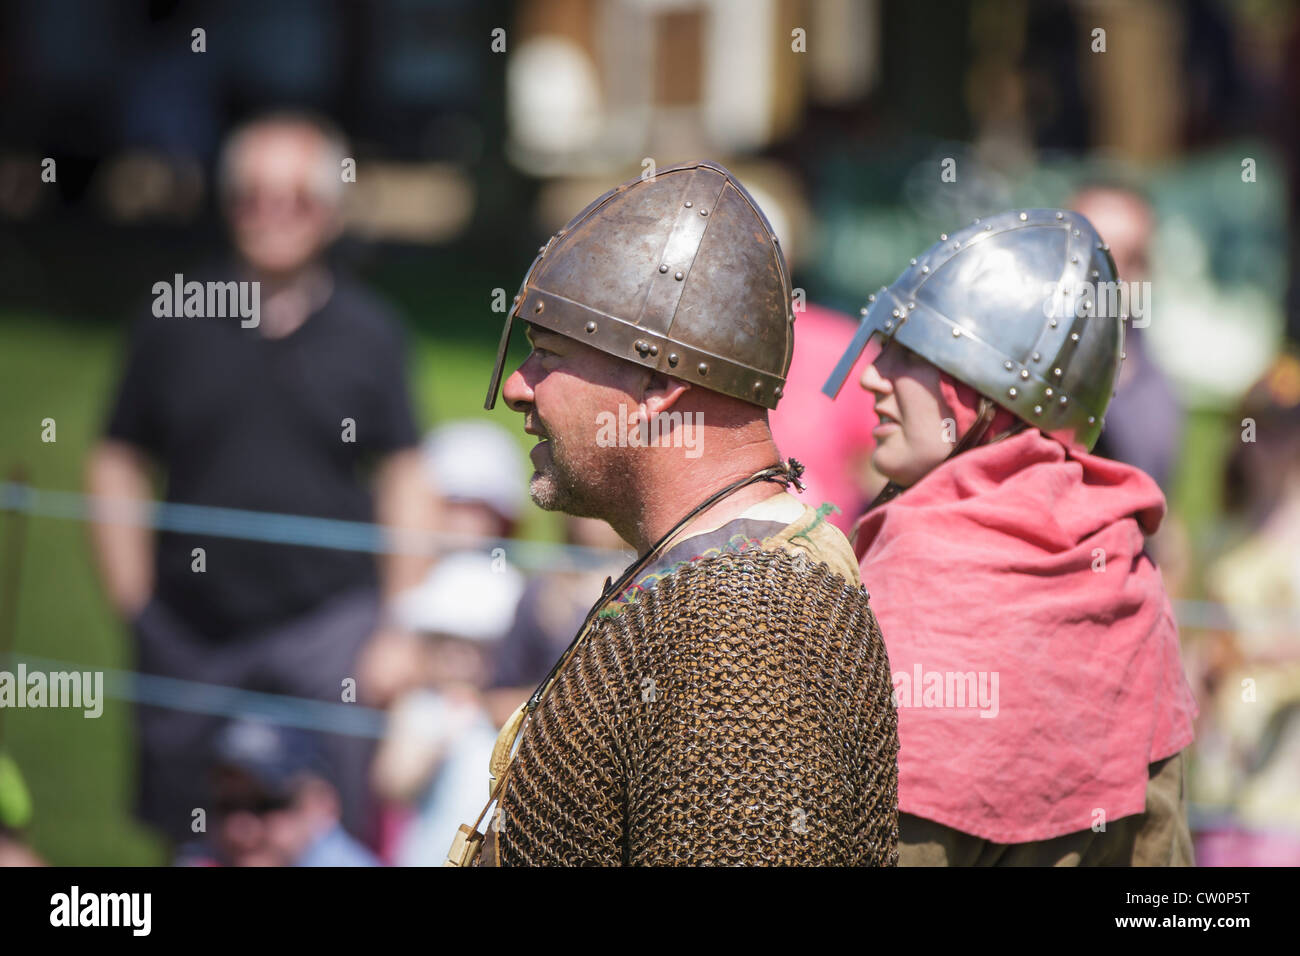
474 470
478 471
440 735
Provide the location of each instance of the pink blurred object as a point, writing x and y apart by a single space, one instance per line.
1235 846
393 819
828 437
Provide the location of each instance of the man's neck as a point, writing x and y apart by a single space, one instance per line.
290 300
670 488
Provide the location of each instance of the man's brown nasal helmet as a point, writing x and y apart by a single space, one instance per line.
681 273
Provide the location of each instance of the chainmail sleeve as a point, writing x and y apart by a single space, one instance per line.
739 713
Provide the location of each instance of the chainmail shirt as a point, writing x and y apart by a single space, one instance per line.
738 712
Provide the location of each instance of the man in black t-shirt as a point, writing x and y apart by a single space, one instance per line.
299 405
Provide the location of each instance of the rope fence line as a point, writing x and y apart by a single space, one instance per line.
289 529
219 700
304 530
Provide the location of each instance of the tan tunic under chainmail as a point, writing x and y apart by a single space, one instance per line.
739 712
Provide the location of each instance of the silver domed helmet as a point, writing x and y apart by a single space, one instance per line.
1024 307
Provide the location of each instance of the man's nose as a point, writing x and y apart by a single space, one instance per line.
516 391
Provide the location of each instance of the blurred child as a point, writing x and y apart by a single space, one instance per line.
440 736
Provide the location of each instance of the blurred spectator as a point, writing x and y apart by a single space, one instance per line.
272 806
440 736
1144 421
550 612
832 439
1248 768
282 415
476 472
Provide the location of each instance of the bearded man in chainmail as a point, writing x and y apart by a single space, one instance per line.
728 700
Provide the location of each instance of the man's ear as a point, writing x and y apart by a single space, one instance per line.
662 392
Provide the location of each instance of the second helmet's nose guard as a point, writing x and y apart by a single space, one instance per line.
1022 307
681 273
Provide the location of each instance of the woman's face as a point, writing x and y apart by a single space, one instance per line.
917 430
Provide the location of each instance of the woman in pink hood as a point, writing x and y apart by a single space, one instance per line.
1042 706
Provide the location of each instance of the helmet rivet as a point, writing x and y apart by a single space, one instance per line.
539 306
897 314
988 227
1123 356
678 276
704 368
1095 273
1074 258
1007 366
911 306
704 212
889 323
1036 357
1023 217
1052 322
956 333
862 311
663 268
1074 336
1092 420
1038 409
1060 215
925 268
1024 373
654 350
1076 233
956 245
1056 372
673 359
591 327
540 250
913 262
1064 399
758 388
689 204
518 297
641 345
870 298
1012 392
1047 392
943 237
777 392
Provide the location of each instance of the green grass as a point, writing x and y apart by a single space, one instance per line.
81 771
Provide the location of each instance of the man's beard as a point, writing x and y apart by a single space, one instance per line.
555 486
